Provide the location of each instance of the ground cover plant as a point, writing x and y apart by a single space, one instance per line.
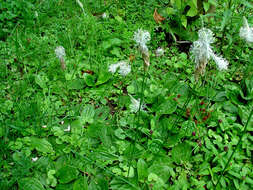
126 95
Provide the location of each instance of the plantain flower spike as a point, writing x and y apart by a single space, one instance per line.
246 32
60 54
124 68
141 37
202 52
221 63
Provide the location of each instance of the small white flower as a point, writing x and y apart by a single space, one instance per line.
221 63
104 16
68 129
135 105
159 52
44 126
60 52
246 32
141 37
202 49
35 159
62 122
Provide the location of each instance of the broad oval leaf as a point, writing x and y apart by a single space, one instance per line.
167 107
41 145
81 184
30 184
66 174
142 170
88 114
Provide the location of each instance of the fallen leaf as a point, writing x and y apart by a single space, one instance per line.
158 18
131 58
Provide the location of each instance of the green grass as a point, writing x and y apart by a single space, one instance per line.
184 137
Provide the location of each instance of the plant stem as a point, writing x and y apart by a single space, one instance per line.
138 118
230 158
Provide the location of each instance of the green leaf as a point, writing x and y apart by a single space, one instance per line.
244 115
76 127
193 11
41 81
170 11
206 6
230 107
118 184
142 170
184 21
64 186
76 84
152 177
226 18
81 184
102 182
167 107
247 4
163 170
30 184
88 114
103 77
67 174
102 113
89 79
111 42
188 127
249 85
176 3
181 152
41 145
120 133
116 51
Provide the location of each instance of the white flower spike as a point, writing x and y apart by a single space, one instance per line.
124 68
141 37
202 52
202 49
246 32
60 52
135 105
221 63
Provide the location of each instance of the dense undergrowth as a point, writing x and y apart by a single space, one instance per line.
73 124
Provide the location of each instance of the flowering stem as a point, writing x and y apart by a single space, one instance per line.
138 117
230 158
